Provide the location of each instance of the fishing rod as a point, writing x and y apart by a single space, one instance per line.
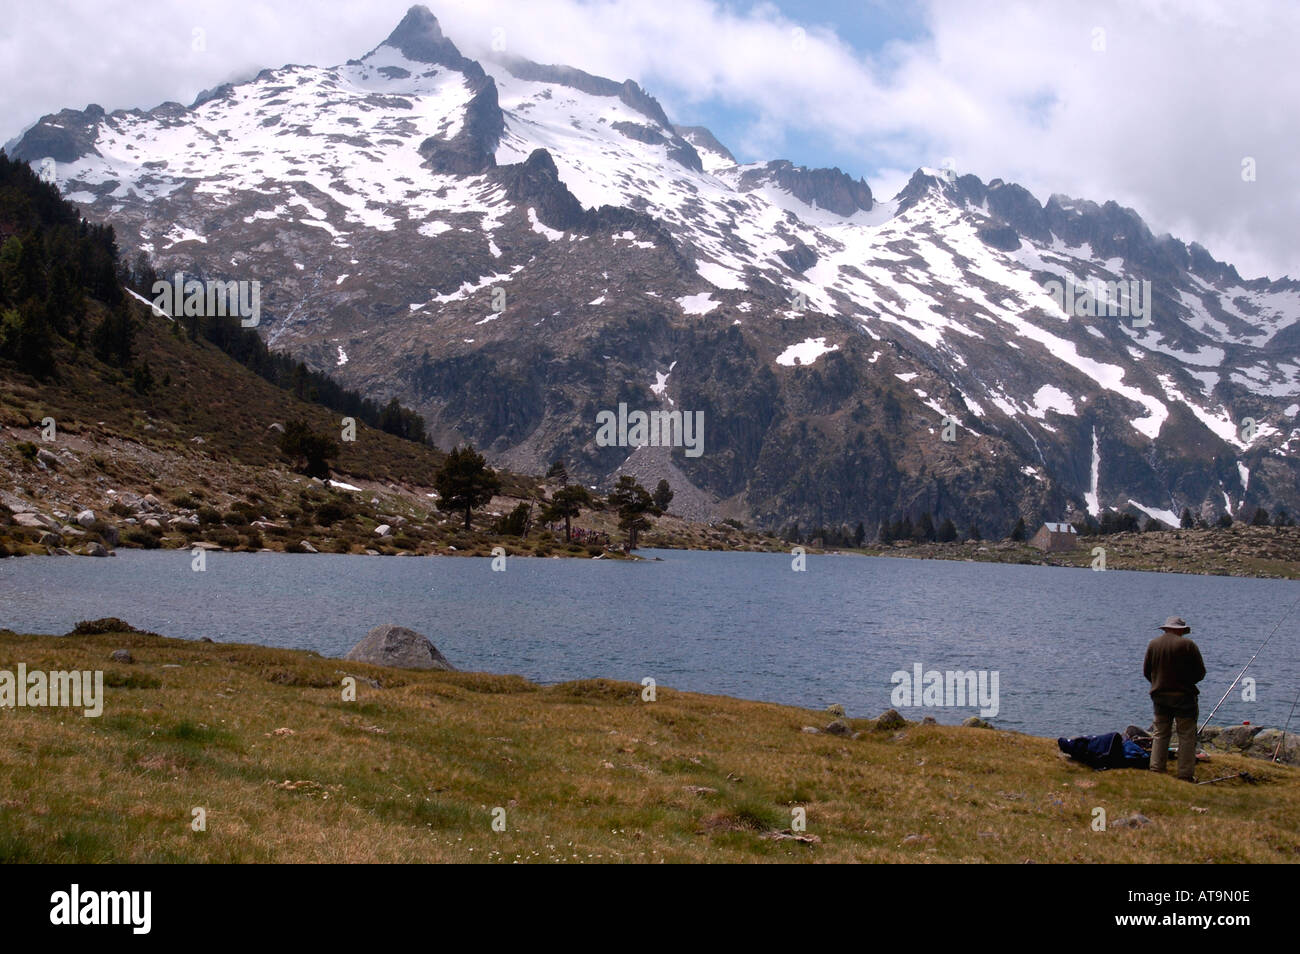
1287 726
1247 666
1226 778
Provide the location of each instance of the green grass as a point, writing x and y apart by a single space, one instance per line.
584 771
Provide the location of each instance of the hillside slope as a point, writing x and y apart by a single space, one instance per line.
108 407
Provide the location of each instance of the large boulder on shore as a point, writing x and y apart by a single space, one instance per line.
1237 736
1265 743
37 521
398 648
890 719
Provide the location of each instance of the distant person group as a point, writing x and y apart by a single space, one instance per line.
580 535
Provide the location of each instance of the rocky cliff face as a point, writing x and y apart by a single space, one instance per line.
512 248
820 188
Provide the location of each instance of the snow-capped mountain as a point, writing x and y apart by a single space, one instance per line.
512 248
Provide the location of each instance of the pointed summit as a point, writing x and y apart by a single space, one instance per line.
419 37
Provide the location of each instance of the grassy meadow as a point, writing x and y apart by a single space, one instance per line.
421 764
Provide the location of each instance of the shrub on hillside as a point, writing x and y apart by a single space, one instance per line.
105 624
515 523
143 539
331 512
224 537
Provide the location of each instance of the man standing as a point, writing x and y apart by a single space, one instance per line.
1173 666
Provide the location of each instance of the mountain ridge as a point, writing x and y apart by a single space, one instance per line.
835 332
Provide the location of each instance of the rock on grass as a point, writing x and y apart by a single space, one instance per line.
399 648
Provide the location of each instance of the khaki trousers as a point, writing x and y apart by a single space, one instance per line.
1181 709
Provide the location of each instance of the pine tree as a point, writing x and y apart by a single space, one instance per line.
1187 522
310 451
925 532
26 339
390 418
114 337
142 378
663 495
465 482
64 303
515 523
634 505
20 270
859 535
565 505
947 531
12 287
1112 522
1018 532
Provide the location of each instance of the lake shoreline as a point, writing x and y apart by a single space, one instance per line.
1121 554
1239 551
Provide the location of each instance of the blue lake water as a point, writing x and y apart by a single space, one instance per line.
1067 643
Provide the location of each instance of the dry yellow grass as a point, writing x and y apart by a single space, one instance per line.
287 771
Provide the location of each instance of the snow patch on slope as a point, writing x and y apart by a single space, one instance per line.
700 304
805 352
1092 498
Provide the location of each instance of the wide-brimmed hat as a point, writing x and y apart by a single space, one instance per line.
1177 624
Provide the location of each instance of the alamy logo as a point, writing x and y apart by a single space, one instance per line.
77 689
210 299
73 907
1095 298
951 689
653 428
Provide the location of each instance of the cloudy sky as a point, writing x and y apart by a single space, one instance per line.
1157 105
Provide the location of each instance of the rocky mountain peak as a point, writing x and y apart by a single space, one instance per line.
700 137
64 136
828 189
419 37
536 182
925 182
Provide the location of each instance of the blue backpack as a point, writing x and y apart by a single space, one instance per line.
1109 750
